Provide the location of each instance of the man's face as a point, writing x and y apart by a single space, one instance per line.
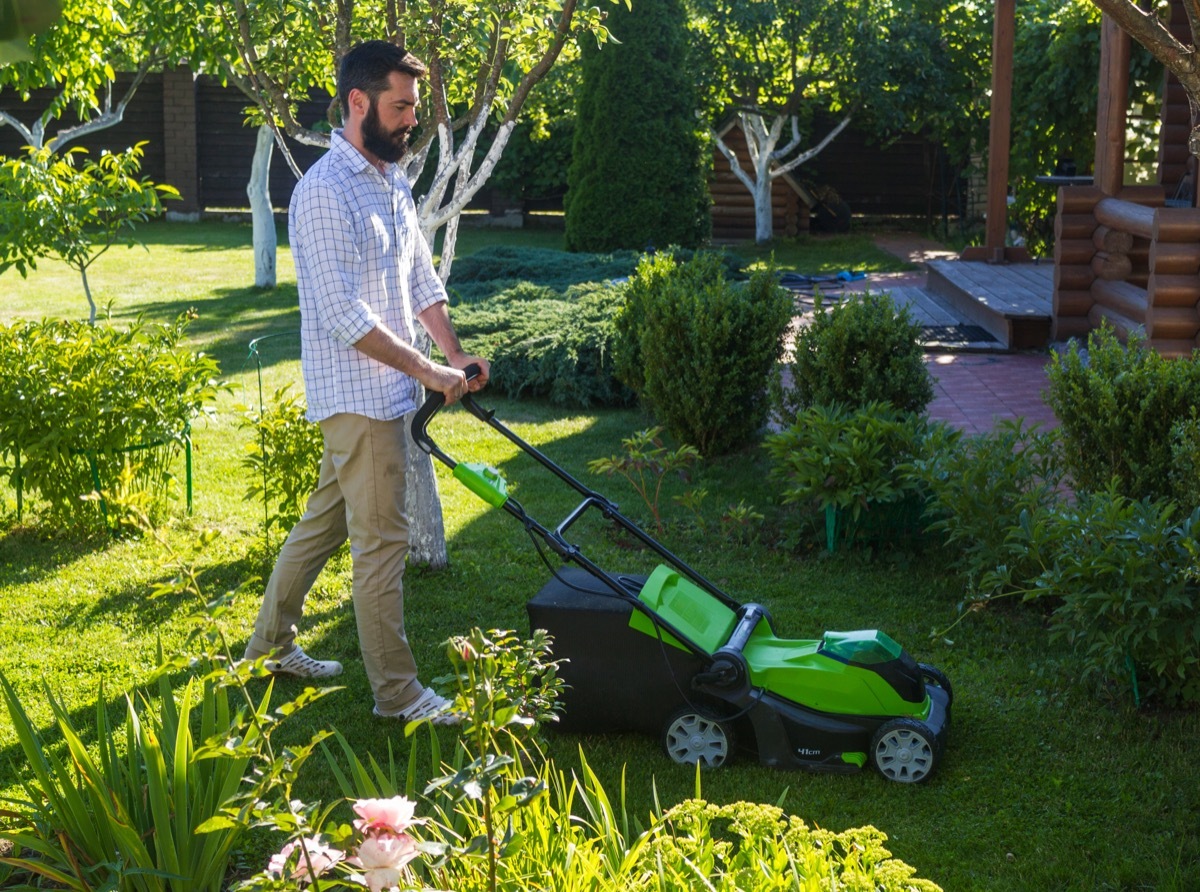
390 118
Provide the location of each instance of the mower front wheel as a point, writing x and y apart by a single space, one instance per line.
691 737
905 750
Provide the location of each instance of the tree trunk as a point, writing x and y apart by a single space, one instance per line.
426 530
259 193
764 218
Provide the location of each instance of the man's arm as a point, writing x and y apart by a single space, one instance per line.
436 321
382 345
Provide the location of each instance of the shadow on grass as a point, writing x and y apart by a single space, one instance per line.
30 552
229 319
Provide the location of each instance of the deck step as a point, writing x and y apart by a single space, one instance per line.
1012 302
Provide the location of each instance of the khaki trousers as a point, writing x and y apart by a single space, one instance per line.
360 494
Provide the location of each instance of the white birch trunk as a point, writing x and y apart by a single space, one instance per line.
263 217
426 528
764 218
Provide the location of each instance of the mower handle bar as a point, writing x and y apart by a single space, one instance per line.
432 405
555 538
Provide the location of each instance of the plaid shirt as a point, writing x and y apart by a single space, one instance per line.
360 260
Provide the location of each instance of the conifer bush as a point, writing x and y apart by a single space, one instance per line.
639 167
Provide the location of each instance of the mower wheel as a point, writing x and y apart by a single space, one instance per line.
905 750
691 737
937 677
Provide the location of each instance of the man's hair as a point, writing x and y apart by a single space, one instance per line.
367 66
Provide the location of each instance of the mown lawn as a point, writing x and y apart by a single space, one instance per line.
1047 784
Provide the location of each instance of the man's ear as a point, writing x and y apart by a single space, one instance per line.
359 102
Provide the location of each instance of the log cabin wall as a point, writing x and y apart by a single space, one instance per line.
1130 262
1176 116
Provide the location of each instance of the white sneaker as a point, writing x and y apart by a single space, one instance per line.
430 707
297 662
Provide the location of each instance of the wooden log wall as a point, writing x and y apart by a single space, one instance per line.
1176 115
1130 262
1074 231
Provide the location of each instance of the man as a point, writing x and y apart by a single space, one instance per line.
366 278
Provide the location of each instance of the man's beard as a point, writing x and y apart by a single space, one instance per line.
384 145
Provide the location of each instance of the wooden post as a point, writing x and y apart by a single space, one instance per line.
1110 108
1000 133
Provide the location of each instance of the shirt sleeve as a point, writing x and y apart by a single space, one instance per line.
326 232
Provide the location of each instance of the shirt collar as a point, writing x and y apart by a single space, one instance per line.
345 153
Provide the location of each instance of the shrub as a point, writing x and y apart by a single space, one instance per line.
698 844
542 344
285 458
980 486
1122 574
1185 461
701 348
643 180
853 463
76 401
1117 408
861 351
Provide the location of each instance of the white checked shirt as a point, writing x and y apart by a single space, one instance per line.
360 260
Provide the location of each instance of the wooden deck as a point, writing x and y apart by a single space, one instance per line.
968 305
1012 301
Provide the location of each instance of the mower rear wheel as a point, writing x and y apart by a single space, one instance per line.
691 737
937 677
905 750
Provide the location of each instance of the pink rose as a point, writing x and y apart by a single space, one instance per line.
322 857
382 859
393 815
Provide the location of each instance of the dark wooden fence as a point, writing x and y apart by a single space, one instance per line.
198 140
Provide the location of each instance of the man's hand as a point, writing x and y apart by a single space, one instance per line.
480 381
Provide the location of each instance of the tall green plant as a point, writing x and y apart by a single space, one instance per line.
645 463
284 459
52 206
638 168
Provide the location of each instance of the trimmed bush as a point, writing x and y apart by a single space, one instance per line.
1118 407
639 162
80 404
544 344
860 351
700 350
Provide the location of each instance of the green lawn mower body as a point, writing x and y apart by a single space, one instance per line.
670 653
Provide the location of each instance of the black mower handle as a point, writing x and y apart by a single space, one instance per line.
433 403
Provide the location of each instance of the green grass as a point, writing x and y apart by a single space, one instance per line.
1045 786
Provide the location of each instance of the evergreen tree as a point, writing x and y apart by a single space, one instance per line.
638 167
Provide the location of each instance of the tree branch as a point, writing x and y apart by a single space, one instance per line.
1147 29
107 118
781 169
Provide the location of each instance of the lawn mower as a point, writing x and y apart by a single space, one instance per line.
669 653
